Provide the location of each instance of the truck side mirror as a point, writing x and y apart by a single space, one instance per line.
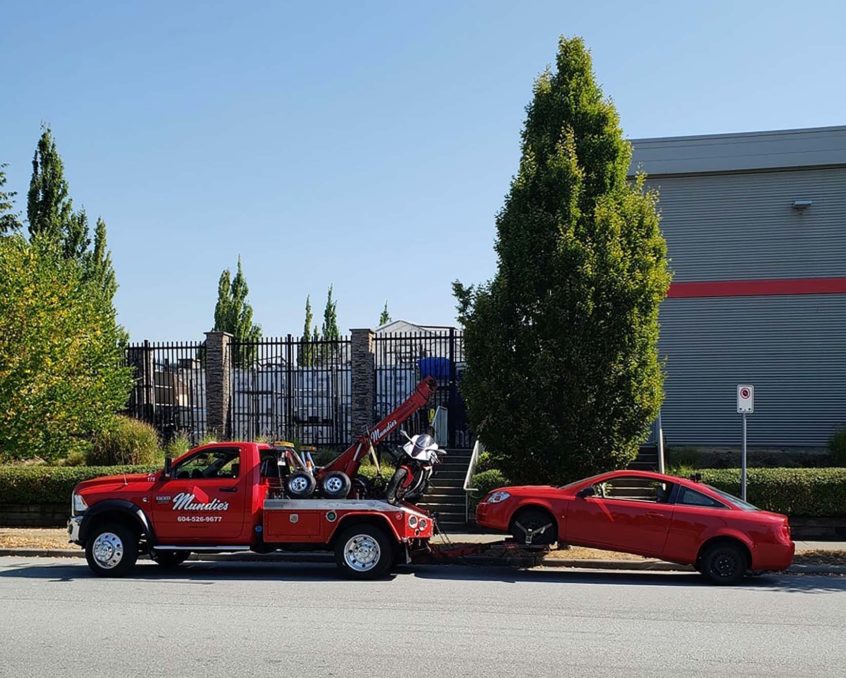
586 492
168 468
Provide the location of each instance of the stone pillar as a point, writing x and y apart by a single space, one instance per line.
218 383
363 365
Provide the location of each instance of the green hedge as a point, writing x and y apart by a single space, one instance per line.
809 492
52 484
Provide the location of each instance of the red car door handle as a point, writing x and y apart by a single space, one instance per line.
228 489
653 514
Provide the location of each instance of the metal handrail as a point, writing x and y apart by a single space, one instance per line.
478 448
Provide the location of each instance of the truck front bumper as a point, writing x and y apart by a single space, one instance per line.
74 524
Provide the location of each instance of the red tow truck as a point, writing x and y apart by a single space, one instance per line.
247 496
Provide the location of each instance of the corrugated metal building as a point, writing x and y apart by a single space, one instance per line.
756 229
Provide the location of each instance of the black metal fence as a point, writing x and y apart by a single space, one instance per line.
403 359
293 389
169 391
287 388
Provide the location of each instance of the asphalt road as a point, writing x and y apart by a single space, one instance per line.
224 619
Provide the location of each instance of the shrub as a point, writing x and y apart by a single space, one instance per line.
837 445
52 484
125 441
178 446
810 492
683 457
485 481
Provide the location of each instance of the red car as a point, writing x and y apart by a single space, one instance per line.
648 514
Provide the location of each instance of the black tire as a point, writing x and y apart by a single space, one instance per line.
724 563
362 487
335 485
111 550
300 485
394 492
533 527
364 551
169 559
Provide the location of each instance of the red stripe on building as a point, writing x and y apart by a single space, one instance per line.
756 288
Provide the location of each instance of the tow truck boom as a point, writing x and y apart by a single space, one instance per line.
350 459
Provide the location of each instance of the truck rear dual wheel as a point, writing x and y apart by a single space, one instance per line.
364 552
111 550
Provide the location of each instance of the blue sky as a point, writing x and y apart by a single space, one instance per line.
367 145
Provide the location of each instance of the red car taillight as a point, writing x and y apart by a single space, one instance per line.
785 532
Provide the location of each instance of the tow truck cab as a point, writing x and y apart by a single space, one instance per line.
227 497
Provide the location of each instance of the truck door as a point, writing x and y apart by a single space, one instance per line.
205 499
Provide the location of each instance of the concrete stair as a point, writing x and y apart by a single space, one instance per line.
646 460
446 491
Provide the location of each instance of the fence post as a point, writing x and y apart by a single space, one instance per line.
218 386
363 367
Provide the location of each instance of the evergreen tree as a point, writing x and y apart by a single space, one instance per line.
233 314
563 377
305 357
49 209
384 317
9 221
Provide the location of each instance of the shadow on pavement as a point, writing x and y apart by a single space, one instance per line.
206 573
771 582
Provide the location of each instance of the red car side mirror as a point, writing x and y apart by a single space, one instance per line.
586 492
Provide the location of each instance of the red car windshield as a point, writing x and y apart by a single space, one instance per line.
579 482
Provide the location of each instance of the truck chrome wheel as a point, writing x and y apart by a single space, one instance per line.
334 484
362 553
107 550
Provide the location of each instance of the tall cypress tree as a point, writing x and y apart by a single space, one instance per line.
233 314
49 209
99 262
563 377
305 357
384 316
9 221
329 332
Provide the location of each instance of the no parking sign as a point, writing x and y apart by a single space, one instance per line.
745 399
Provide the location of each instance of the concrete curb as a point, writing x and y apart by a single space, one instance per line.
480 561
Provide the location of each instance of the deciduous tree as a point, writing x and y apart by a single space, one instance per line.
62 373
9 221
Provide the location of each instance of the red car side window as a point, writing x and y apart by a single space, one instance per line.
690 497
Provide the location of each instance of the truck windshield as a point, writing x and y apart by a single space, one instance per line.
736 501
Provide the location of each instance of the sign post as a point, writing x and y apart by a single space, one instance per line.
745 405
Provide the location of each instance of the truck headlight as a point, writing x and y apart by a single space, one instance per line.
78 504
497 497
